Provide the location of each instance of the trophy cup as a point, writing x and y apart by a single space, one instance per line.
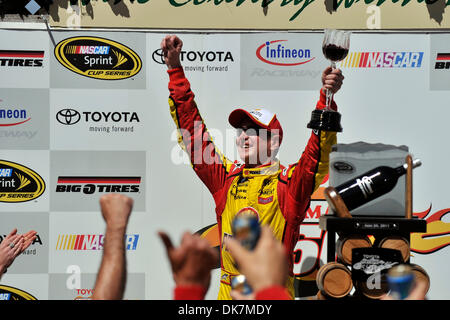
335 48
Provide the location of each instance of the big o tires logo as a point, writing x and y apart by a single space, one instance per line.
19 183
98 58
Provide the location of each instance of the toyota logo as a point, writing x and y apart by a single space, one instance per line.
158 56
68 116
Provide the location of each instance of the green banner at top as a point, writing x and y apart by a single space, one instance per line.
252 14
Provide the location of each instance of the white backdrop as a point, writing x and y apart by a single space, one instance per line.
400 106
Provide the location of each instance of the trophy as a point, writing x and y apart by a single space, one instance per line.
335 48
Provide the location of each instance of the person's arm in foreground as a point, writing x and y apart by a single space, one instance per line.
191 264
306 175
265 268
111 278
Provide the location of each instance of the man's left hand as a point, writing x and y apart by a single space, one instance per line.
332 80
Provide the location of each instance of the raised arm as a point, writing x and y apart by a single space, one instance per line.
191 264
208 162
305 176
111 278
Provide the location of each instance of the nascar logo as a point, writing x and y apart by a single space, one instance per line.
91 242
87 49
383 60
6 172
11 293
5 296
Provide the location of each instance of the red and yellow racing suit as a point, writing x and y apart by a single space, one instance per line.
281 195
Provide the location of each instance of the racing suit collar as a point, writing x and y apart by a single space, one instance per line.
264 170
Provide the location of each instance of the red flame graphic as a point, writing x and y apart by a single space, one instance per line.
437 235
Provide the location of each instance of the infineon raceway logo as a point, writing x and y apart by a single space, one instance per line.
278 52
19 183
82 242
13 117
382 60
98 58
442 61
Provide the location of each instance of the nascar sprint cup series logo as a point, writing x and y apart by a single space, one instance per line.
98 58
19 183
11 293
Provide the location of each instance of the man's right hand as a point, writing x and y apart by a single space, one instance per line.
192 261
171 46
116 209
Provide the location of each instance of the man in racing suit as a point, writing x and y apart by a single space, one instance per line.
280 195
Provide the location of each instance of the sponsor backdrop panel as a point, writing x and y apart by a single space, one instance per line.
79 178
440 62
202 55
384 99
90 61
35 258
100 119
281 61
24 59
76 243
24 119
389 96
24 182
74 286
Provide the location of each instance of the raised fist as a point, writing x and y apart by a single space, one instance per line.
171 46
116 209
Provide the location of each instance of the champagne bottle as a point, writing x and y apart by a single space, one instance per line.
371 185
